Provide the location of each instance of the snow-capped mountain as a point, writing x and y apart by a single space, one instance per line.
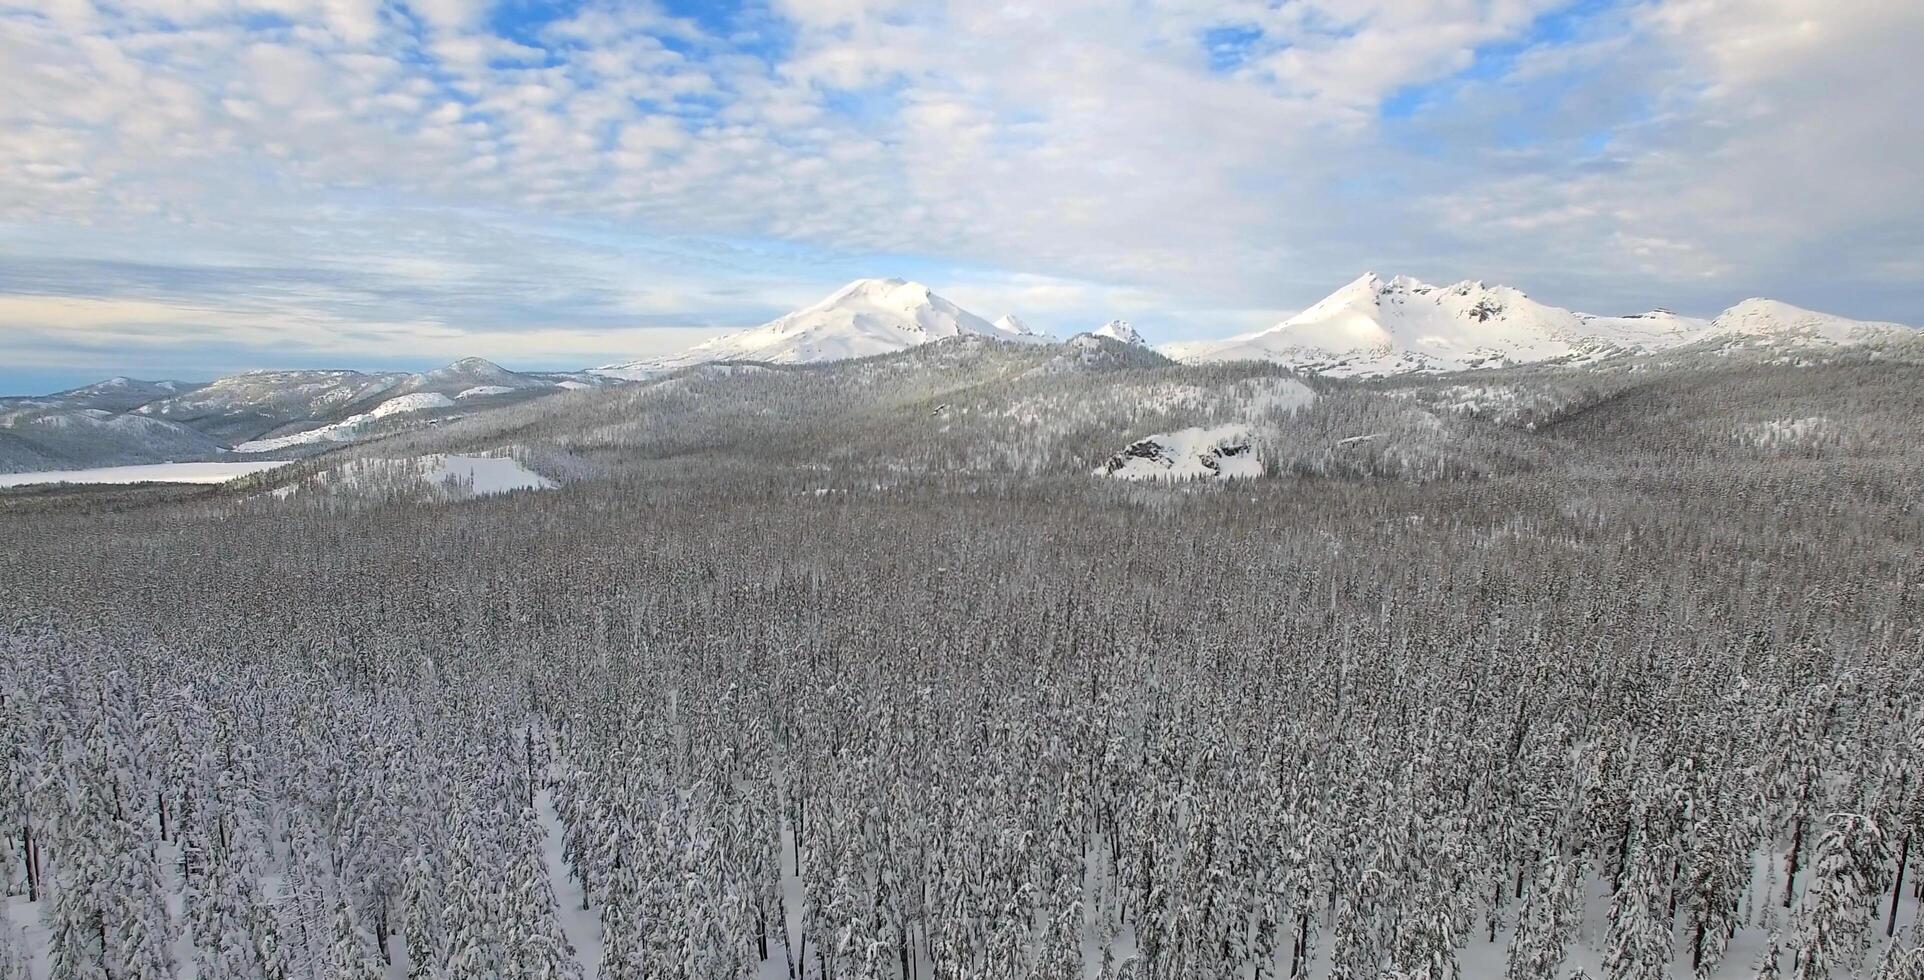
1119 330
862 319
1769 322
1375 327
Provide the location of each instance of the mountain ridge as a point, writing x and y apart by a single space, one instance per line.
1373 327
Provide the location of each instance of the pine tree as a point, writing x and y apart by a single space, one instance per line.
85 869
14 962
624 928
1548 922
352 955
1638 946
421 922
537 948
142 947
1767 962
1840 902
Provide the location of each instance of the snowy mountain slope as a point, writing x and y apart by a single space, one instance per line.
244 406
280 409
1374 327
862 319
1768 322
40 437
352 427
125 421
1119 330
1013 326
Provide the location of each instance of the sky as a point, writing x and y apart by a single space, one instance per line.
194 187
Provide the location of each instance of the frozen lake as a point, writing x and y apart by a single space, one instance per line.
216 472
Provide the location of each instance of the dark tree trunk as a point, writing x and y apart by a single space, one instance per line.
28 851
1791 863
1299 950
1496 902
1897 890
380 925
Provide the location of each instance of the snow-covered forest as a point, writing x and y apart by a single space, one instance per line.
794 677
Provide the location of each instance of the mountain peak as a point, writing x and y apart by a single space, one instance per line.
1119 330
469 368
861 319
891 289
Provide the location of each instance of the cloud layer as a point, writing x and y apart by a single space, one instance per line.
321 179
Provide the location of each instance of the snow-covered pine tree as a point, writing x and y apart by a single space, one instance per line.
536 947
1900 963
1847 878
421 923
1769 962
85 869
1551 914
623 929
15 964
1638 945
351 955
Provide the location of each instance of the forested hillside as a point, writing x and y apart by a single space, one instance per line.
857 672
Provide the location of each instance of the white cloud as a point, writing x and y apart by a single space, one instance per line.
1667 151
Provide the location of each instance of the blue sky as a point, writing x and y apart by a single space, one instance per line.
191 188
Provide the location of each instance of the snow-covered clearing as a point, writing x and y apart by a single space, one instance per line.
480 391
437 476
